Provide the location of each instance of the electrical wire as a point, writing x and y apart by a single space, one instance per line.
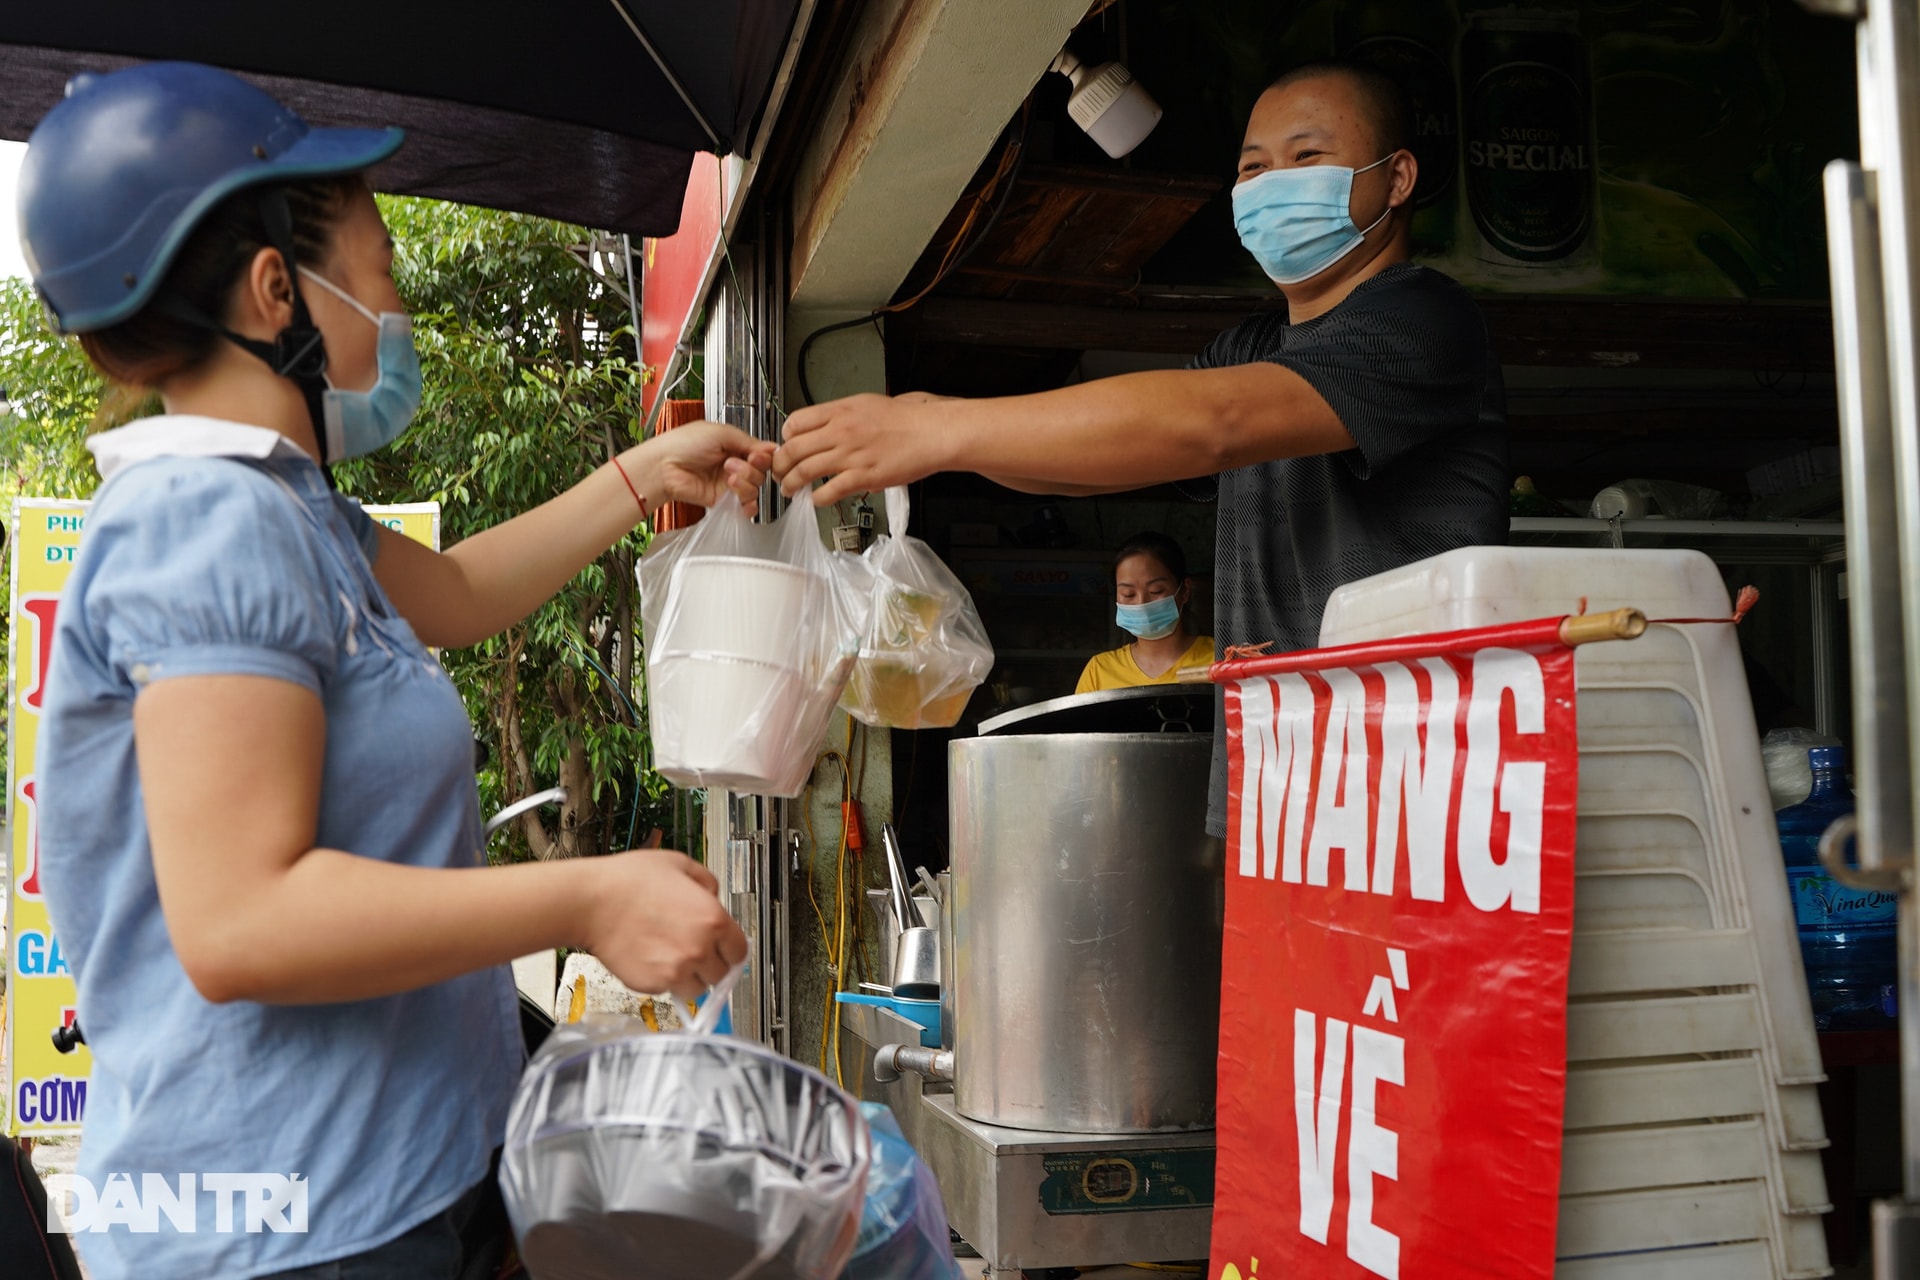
813 841
806 346
835 939
1006 176
839 944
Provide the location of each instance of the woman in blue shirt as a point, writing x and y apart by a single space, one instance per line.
258 826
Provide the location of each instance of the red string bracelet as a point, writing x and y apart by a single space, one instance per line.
644 513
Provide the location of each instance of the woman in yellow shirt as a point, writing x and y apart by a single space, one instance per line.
1151 590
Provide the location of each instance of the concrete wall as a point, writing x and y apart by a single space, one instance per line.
927 87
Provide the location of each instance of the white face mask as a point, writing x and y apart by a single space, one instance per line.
359 422
1154 620
1295 222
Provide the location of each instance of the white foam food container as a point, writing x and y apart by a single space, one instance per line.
737 607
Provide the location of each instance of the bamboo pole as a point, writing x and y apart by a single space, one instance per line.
1576 629
1587 628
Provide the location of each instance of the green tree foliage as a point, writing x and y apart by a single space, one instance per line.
52 395
531 383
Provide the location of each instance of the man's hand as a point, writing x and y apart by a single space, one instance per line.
1103 436
699 463
864 443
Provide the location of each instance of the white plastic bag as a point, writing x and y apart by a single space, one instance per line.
925 650
751 631
680 1156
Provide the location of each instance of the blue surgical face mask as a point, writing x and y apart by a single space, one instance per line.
1154 620
1295 222
359 422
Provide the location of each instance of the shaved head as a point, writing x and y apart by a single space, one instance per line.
1380 99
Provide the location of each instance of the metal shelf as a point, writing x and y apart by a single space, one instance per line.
1694 528
1817 547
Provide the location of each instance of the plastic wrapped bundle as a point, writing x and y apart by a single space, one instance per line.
903 1230
638 1153
1784 753
751 633
925 649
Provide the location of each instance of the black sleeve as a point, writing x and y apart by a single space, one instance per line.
1401 366
1254 338
1250 340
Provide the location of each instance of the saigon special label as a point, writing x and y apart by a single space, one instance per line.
1529 143
1428 81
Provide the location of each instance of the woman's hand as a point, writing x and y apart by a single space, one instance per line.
865 443
655 920
700 462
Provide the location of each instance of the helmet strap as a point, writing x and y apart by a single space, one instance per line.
298 352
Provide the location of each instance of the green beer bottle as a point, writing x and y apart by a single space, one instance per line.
1528 148
1413 41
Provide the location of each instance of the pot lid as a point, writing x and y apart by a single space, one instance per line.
1152 708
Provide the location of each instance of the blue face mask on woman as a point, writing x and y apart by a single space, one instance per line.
1154 620
359 422
1295 222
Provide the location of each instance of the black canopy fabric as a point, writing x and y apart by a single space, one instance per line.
585 110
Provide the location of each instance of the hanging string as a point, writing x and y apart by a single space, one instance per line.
1743 603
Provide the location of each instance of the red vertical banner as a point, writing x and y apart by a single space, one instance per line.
675 270
1399 920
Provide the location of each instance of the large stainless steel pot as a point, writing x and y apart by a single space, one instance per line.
1086 916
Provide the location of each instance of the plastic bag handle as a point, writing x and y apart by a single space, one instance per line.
708 1018
898 509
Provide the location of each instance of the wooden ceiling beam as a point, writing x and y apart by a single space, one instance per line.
1780 337
999 323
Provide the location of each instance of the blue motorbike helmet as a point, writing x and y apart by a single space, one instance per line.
119 173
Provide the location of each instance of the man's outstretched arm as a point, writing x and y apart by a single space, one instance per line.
1114 433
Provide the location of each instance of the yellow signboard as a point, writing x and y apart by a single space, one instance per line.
417 520
48 1089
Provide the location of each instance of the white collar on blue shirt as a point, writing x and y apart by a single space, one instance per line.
185 435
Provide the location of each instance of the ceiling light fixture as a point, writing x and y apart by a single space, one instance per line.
1115 109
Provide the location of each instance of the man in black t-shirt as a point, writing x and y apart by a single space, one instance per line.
1365 430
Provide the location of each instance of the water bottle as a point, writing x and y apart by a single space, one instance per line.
1848 937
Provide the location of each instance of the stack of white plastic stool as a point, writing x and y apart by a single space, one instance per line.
1693 1128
